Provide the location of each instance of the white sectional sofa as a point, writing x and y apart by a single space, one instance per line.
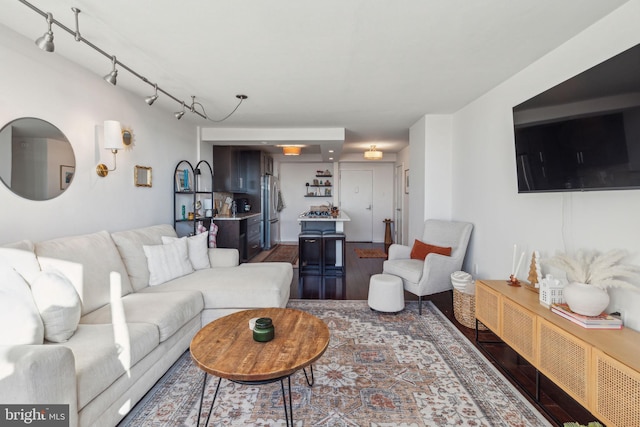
127 333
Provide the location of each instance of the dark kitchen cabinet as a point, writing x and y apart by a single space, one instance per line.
232 234
229 169
241 234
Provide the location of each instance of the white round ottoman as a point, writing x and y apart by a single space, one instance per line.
386 293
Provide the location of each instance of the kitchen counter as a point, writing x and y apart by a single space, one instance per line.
324 223
341 217
238 217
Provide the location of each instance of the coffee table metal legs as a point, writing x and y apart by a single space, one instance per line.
288 414
204 384
309 383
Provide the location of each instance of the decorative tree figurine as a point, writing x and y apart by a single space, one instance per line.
534 269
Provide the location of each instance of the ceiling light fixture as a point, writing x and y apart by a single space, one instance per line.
179 114
112 77
151 99
291 150
46 43
373 154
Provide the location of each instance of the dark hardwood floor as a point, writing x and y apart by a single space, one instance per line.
553 403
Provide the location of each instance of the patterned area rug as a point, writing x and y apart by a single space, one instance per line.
283 253
370 253
379 370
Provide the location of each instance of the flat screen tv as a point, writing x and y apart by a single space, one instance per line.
584 133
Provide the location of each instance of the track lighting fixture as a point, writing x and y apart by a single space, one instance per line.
151 99
179 114
112 77
46 41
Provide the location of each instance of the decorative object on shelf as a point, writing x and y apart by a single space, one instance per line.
534 269
373 154
513 277
142 176
551 291
46 43
112 141
590 274
208 207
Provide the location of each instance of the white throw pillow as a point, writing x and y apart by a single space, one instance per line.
168 261
59 305
20 321
197 249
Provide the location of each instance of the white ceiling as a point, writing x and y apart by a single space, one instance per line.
372 67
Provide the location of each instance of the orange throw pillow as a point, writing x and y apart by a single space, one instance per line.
420 250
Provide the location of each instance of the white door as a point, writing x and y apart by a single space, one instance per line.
356 199
397 217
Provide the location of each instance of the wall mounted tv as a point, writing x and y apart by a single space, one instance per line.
584 133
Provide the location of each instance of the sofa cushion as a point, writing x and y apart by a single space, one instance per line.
103 353
20 321
420 250
92 263
58 303
168 311
130 244
197 248
246 286
408 269
166 262
21 256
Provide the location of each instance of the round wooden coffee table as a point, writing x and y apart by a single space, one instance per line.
225 348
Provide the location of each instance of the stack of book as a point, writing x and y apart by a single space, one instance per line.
602 321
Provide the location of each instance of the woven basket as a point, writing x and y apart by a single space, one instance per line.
464 310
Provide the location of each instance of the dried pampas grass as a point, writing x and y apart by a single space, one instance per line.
601 270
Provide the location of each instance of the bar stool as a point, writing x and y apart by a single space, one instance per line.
334 253
310 252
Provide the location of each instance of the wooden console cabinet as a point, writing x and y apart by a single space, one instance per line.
600 369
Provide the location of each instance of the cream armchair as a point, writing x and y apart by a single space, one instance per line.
433 274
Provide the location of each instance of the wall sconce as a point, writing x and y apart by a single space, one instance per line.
113 142
373 154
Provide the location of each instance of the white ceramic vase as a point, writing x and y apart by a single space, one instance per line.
588 300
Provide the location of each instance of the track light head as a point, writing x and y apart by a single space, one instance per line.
179 114
151 99
46 41
112 77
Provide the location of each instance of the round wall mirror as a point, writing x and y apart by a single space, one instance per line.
36 159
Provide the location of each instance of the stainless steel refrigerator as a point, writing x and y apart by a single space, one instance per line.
270 215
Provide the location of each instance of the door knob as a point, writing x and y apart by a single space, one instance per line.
369 208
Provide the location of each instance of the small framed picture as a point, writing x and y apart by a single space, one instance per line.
406 181
66 176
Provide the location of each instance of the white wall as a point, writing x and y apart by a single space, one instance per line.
44 85
484 171
293 176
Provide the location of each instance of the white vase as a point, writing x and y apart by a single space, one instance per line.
588 300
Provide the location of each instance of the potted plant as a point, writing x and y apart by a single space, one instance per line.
590 274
